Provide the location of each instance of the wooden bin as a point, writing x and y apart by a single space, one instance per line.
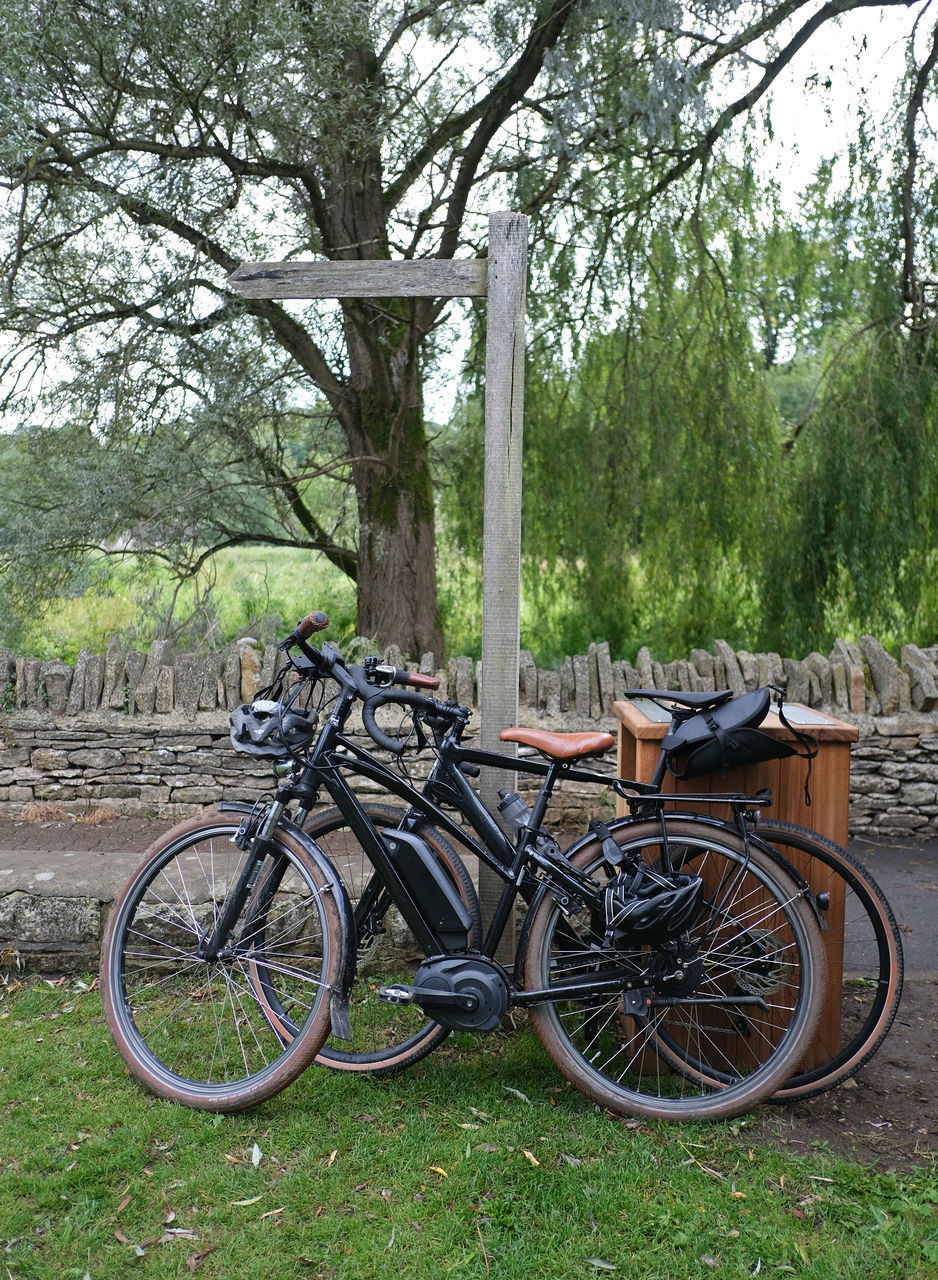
642 724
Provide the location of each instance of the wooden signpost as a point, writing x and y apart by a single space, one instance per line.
501 278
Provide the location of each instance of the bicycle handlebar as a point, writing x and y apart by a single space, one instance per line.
400 697
395 675
361 681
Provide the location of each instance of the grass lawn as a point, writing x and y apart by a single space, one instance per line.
480 1161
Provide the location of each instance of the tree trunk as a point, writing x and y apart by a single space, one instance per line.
396 583
383 416
396 556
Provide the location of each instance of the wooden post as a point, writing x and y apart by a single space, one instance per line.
501 538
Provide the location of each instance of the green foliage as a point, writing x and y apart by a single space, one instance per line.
750 454
244 591
643 469
853 518
76 504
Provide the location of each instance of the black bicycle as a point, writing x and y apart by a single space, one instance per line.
671 967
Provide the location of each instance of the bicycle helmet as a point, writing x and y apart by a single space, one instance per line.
266 728
643 908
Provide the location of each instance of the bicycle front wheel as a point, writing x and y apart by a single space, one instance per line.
199 1031
865 962
385 1037
705 1025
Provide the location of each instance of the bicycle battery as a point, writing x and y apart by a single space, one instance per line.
430 885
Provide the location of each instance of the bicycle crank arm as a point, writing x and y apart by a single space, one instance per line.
428 998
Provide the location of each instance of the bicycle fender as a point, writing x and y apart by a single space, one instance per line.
522 948
338 1004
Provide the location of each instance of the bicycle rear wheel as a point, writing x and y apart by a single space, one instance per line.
705 1026
197 1031
862 930
385 1037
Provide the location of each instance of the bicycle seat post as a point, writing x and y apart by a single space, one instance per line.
661 764
543 799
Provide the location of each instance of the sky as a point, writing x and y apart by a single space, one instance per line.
813 122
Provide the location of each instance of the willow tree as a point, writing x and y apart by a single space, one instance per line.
647 458
148 148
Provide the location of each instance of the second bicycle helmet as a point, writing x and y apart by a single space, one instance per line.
641 907
267 728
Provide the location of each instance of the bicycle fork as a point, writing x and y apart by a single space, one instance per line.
258 847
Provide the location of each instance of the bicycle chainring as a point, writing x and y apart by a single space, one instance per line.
475 976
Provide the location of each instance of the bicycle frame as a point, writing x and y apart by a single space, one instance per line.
335 754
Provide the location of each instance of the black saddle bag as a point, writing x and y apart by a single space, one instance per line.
728 737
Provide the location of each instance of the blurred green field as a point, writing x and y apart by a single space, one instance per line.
250 591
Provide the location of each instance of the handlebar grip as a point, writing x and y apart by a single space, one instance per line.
312 622
420 681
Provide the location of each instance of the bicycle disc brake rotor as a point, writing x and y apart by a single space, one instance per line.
768 972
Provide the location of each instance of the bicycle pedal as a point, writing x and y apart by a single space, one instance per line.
396 995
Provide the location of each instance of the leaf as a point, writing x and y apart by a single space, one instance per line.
256 1155
195 1260
253 1200
271 1213
532 1157
573 1161
331 1161
435 1168
600 1264
517 1093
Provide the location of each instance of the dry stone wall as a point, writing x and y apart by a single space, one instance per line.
147 732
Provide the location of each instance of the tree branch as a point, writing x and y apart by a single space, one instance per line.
911 288
704 147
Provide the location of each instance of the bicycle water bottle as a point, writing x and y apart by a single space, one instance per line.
513 810
516 813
